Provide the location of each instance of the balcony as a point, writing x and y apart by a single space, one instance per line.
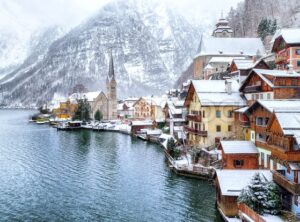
280 153
196 132
245 124
194 118
245 210
252 89
281 58
281 180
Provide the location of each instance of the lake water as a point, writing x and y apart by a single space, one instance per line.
50 175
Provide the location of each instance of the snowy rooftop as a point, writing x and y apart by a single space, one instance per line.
280 105
276 73
290 36
230 46
241 147
221 99
233 181
224 59
90 96
142 123
213 86
242 110
244 64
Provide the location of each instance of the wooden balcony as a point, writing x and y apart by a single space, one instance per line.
194 118
244 209
281 58
245 124
282 181
252 89
260 129
195 131
280 153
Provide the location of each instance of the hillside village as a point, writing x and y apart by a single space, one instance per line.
237 118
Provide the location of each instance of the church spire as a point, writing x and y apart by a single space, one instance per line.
111 71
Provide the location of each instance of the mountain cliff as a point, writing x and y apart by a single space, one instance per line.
151 45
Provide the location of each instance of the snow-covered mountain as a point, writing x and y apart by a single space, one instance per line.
151 45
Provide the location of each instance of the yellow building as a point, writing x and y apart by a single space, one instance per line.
65 110
210 105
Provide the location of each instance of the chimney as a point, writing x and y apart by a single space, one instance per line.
290 69
228 86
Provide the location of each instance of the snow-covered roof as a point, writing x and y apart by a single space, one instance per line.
289 121
141 123
230 46
224 59
276 73
213 93
244 64
208 86
232 182
208 66
221 99
242 110
240 147
280 105
90 96
290 36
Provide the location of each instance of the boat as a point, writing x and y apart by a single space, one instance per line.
70 125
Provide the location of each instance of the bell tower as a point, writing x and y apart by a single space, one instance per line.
111 87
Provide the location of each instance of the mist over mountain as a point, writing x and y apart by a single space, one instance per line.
151 45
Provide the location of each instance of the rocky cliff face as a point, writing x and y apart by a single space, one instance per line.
150 43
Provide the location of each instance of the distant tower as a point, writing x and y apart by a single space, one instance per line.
223 30
111 86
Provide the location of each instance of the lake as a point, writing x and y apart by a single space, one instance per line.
50 175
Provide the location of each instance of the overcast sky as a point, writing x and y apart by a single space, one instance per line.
71 12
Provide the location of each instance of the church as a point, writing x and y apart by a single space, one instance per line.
105 103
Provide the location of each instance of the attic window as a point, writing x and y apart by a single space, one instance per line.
221 52
241 52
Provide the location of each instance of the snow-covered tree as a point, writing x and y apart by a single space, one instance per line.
261 195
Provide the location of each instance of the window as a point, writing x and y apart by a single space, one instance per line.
229 114
203 114
203 127
218 114
229 128
261 96
298 63
294 82
259 121
297 51
282 82
238 163
218 128
253 97
268 96
257 96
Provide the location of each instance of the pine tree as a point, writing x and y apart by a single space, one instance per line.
261 196
83 111
98 115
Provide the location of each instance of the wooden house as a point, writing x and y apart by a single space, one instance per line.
229 184
286 46
271 84
239 155
242 124
240 68
260 114
66 110
137 126
284 143
210 105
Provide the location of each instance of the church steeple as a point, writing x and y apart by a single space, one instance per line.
111 86
223 30
111 71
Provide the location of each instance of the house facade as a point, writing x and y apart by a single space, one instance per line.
210 105
286 46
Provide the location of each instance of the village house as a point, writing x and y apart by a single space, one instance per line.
138 125
271 84
222 44
126 109
283 132
210 105
229 184
175 113
65 110
239 155
259 115
240 68
286 46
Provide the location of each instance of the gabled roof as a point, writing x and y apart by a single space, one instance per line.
239 147
262 73
213 93
90 96
277 105
230 46
290 36
232 182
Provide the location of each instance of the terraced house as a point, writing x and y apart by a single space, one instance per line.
210 105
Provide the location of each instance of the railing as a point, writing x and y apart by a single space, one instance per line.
252 89
281 180
280 153
280 58
193 117
196 132
245 123
250 213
